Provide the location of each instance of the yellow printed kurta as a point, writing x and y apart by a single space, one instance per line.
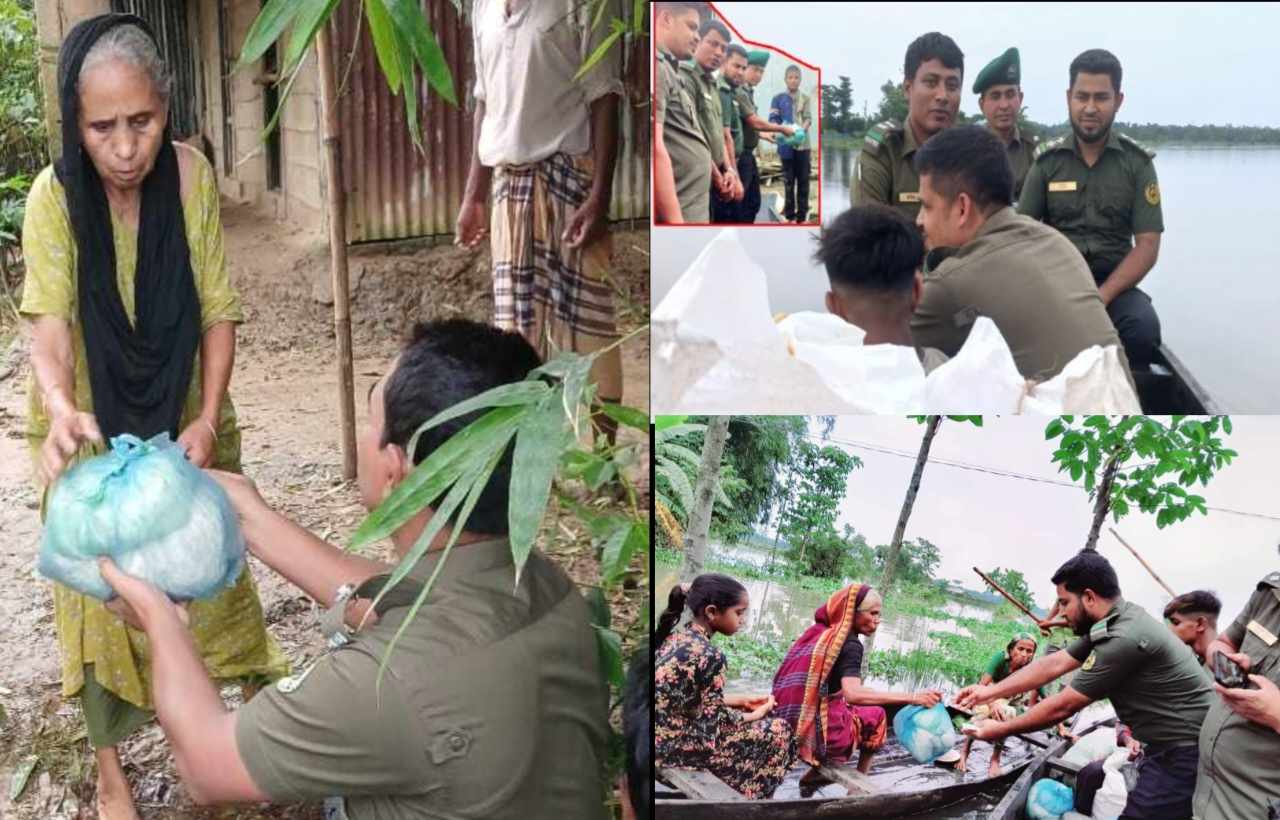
229 630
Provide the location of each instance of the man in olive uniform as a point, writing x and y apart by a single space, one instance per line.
1156 686
986 260
731 76
700 78
933 72
681 155
752 126
1099 188
999 91
1240 741
492 703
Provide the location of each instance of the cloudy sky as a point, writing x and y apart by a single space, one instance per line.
984 520
1184 64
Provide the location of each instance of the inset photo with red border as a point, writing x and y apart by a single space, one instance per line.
736 137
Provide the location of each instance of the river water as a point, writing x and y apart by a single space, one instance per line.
1212 285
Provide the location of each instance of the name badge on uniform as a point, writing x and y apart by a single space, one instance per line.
1063 185
1262 633
909 196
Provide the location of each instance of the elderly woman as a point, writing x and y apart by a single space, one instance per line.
1019 652
133 332
819 688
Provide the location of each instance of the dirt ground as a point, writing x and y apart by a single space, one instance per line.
284 386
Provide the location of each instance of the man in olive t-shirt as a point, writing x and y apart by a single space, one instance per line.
490 706
1127 656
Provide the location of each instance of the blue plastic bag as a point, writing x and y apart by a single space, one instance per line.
152 512
1049 799
926 733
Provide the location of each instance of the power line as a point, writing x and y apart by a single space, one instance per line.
961 465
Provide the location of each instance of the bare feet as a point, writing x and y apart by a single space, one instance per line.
115 801
994 770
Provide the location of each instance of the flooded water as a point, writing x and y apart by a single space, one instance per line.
1212 286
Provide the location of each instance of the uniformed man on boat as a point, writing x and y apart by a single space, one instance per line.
932 75
1129 657
1099 188
1240 740
999 90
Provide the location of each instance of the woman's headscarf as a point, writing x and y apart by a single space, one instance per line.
139 373
800 685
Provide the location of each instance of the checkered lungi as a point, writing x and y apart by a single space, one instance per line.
558 297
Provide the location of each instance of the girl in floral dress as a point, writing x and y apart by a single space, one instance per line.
698 726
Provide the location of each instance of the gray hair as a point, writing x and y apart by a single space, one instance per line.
132 45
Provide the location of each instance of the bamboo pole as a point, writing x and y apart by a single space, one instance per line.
1007 596
1145 565
338 250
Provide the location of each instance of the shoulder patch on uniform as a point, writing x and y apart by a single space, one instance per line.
1098 632
1089 662
1272 580
1125 138
878 134
1051 145
290 684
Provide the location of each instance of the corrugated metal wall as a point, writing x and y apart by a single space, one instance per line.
169 20
396 192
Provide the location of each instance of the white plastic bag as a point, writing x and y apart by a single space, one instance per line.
717 349
1097 745
1109 802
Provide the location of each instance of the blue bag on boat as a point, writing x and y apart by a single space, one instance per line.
1049 799
926 733
157 516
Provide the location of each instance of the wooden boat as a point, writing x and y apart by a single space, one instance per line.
1171 389
1049 764
698 795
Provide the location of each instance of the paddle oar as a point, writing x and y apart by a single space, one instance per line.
1145 565
1009 598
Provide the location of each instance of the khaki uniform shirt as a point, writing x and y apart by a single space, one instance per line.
492 704
1100 208
732 113
706 101
1239 776
1027 279
1154 683
682 135
747 107
884 171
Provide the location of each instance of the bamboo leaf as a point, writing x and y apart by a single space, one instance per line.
415 32
507 395
599 607
543 435
678 482
601 5
409 85
619 28
314 15
629 416
432 477
284 98
267 28
619 548
385 43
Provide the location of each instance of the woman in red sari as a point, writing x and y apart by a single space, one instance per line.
819 688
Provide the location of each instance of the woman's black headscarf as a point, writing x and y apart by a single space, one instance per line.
139 374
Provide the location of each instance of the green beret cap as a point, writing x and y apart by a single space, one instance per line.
757 57
1003 70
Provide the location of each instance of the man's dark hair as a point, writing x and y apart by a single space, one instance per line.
680 6
932 46
734 49
1097 61
1088 570
715 25
444 363
871 248
637 732
1196 602
969 159
791 68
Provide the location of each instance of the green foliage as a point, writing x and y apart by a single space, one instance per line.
893 104
1157 462
677 456
23 151
402 39
819 476
837 109
1014 583
917 562
829 554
